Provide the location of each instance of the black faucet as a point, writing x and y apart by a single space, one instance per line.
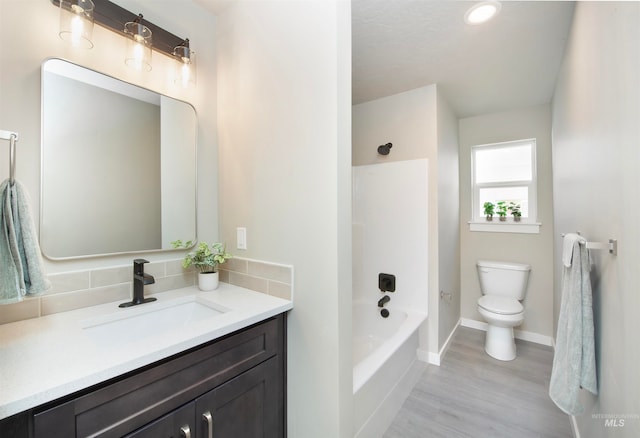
139 280
382 301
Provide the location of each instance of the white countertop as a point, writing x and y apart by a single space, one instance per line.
45 358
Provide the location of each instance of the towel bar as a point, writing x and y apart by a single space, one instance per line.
12 137
611 246
6 135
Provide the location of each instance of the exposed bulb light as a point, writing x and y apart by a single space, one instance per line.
186 72
138 54
76 22
482 12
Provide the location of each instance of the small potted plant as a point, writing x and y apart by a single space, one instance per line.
489 210
205 259
502 210
515 211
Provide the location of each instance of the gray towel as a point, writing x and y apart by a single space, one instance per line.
21 270
574 363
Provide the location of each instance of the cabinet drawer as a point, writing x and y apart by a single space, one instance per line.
131 402
176 424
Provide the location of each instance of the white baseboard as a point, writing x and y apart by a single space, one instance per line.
519 334
425 356
435 358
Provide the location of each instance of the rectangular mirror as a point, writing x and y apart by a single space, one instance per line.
118 165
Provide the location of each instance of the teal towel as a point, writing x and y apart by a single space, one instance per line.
21 271
574 363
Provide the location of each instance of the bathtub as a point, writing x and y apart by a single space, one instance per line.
384 364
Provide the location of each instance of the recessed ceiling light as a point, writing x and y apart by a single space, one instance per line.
482 12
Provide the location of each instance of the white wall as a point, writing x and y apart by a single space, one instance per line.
284 81
596 156
20 90
534 249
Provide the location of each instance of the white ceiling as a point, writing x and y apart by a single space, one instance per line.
509 62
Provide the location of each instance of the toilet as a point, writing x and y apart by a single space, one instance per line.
503 286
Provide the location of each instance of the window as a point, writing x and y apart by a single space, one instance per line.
505 172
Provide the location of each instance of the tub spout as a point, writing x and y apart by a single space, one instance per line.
382 301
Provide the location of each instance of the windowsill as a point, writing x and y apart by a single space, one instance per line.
509 226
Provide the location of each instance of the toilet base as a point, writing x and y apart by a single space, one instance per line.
499 343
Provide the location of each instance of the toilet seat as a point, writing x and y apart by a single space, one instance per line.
500 305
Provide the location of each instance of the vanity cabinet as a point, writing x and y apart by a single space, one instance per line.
246 406
231 387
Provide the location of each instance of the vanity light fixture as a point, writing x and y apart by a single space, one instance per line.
186 70
76 22
139 43
482 12
138 32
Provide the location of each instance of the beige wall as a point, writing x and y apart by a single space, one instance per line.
534 249
285 174
408 120
448 222
596 156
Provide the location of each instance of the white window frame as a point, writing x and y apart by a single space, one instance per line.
527 224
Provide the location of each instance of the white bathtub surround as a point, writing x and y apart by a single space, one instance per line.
390 235
390 226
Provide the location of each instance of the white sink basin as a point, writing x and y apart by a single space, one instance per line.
135 323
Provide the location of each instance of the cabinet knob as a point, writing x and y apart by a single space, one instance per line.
185 431
209 420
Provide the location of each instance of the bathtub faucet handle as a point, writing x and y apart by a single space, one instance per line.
382 301
386 282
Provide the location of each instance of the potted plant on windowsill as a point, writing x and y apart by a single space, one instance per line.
502 210
488 210
515 211
205 259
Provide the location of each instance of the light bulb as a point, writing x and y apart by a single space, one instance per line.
482 12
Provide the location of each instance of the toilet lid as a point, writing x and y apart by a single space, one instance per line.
501 305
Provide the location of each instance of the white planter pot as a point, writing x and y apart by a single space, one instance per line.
208 280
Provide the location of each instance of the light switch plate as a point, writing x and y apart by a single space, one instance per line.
241 238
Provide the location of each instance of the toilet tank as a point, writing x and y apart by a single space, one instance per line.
503 278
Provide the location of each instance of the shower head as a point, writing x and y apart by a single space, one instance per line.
384 149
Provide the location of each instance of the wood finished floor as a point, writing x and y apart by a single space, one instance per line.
473 395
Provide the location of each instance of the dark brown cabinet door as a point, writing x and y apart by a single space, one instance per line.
248 406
